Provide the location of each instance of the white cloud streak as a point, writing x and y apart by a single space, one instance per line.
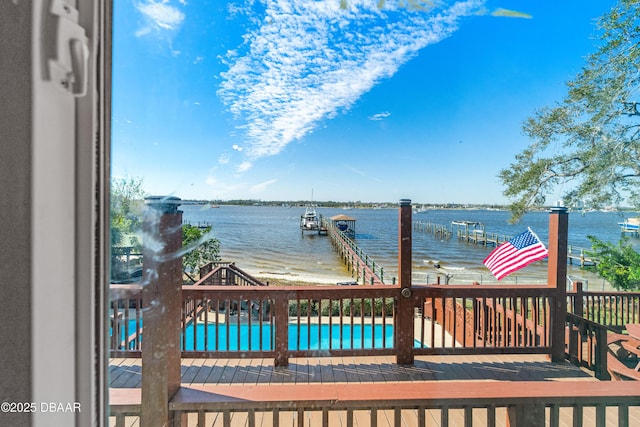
309 60
380 116
259 188
159 15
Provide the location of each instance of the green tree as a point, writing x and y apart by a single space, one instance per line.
618 264
127 201
127 197
589 139
200 248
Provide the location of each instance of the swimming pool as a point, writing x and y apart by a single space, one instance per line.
311 337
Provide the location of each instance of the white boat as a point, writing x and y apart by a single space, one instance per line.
630 225
310 220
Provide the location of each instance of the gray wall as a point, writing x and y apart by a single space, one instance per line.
15 205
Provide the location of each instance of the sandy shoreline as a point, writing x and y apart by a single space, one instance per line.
592 281
276 279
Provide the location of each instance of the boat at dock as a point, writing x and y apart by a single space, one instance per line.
630 226
309 220
342 225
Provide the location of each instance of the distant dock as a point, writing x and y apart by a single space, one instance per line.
630 226
475 233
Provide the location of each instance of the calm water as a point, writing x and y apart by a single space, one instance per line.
266 241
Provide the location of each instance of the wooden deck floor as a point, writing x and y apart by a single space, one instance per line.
127 373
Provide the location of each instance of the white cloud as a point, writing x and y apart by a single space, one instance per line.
236 147
244 166
224 159
362 174
307 61
258 188
223 189
380 116
159 15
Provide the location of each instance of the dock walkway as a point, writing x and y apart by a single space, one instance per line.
362 267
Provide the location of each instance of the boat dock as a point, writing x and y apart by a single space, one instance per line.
630 226
363 268
475 233
311 221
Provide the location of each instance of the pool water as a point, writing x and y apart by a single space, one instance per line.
312 337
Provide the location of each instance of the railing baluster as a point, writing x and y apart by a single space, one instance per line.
554 415
249 324
578 415
226 323
298 308
330 323
362 324
468 416
444 416
205 302
491 416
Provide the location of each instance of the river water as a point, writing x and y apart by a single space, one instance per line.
266 241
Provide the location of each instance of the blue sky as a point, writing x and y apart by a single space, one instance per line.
355 100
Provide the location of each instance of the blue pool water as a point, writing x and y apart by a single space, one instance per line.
312 337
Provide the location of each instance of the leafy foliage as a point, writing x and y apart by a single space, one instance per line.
618 264
201 248
347 307
127 196
590 138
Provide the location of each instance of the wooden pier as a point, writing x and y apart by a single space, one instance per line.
475 233
437 230
363 268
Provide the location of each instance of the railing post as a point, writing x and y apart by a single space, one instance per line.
161 301
578 303
282 330
574 333
404 316
557 279
602 349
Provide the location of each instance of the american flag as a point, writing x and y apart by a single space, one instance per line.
518 252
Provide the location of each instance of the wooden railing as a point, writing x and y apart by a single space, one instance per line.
125 314
587 345
220 273
487 319
611 309
243 321
551 403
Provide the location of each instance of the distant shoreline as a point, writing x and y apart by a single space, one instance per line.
380 205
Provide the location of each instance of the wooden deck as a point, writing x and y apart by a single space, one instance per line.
380 372
126 373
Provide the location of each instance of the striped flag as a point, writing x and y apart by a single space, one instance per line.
518 252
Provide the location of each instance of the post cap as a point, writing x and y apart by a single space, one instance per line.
559 209
165 204
404 202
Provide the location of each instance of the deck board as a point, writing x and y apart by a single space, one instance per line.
126 373
378 370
